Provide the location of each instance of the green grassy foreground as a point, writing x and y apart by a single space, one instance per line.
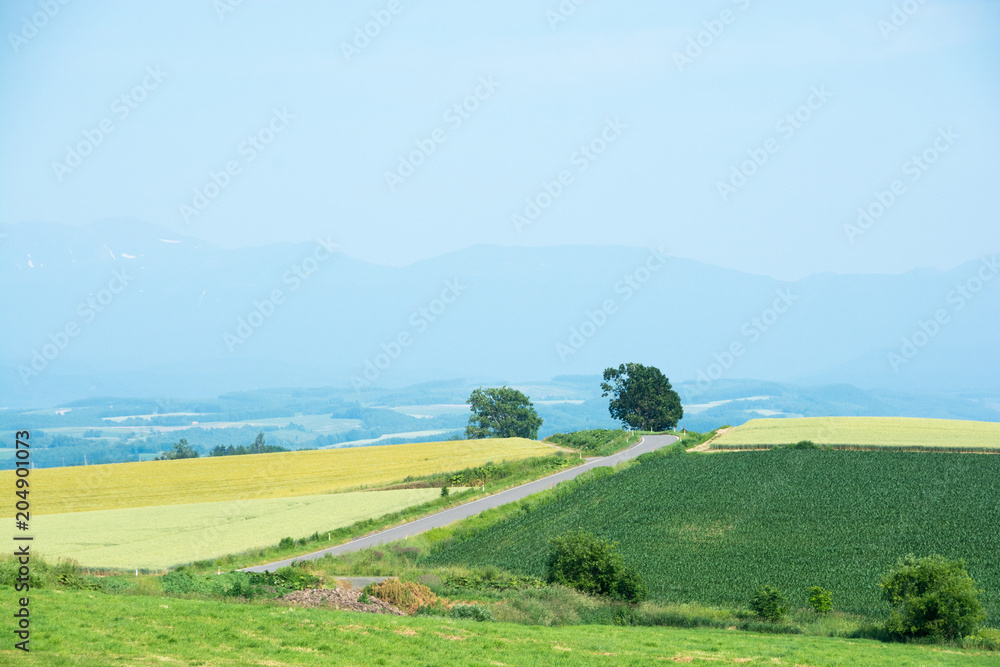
82 628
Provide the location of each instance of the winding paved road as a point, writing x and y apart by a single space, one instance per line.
646 444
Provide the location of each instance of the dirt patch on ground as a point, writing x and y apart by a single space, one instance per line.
339 598
705 446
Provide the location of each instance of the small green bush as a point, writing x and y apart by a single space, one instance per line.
286 543
630 587
820 599
592 565
445 492
932 597
471 611
769 604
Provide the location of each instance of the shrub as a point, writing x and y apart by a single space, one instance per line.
769 604
804 444
820 599
931 597
630 587
471 611
295 578
592 565
444 492
286 543
408 596
9 574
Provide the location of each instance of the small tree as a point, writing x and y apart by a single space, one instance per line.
501 412
820 599
181 450
932 597
769 604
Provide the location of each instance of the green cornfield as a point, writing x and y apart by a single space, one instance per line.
712 528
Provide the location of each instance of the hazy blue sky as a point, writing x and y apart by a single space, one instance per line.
198 81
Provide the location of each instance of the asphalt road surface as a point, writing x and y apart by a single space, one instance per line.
443 518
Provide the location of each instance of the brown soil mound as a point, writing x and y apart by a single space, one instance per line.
339 598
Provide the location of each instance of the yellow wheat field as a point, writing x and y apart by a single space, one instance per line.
867 431
160 537
279 475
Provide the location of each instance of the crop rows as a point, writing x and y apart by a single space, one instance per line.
712 528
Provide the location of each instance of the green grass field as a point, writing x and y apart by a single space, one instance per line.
96 630
167 535
866 431
712 528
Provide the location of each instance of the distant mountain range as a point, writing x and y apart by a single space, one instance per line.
127 308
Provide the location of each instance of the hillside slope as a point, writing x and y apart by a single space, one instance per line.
712 528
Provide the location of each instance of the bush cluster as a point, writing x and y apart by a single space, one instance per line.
248 585
593 565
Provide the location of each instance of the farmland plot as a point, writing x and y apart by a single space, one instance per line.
279 475
895 432
167 535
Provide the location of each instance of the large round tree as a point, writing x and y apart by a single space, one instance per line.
643 398
501 412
